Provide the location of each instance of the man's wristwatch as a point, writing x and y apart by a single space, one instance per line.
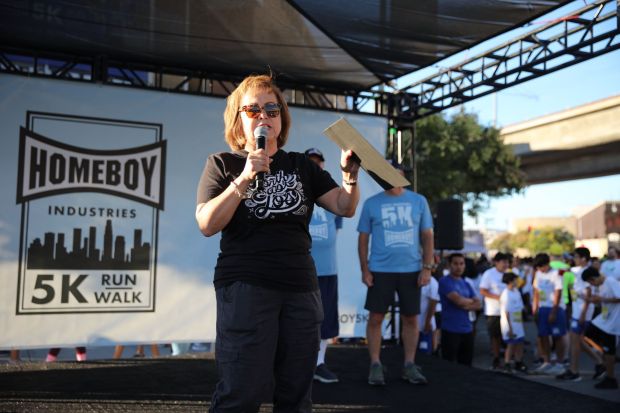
428 266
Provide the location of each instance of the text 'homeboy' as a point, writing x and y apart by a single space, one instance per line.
49 167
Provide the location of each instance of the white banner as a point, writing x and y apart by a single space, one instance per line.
98 241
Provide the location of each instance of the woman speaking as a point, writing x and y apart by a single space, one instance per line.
268 301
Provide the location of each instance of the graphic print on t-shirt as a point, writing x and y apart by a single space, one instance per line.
282 194
397 224
318 226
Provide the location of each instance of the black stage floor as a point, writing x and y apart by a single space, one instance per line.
185 384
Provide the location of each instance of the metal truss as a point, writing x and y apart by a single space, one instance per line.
103 71
586 33
589 32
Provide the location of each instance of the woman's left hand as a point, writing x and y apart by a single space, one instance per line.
349 162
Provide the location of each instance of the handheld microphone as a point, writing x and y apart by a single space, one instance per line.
260 134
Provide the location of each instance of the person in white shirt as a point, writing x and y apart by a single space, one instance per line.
606 326
511 322
549 308
580 320
491 286
429 297
611 266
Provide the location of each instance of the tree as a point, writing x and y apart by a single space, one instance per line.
503 243
458 158
553 241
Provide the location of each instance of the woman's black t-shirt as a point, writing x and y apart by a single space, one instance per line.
267 242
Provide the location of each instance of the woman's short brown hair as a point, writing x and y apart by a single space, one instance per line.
233 129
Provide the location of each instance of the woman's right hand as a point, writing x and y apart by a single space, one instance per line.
257 161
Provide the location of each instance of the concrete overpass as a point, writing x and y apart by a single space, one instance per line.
582 142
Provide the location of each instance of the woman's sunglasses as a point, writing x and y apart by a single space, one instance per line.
253 111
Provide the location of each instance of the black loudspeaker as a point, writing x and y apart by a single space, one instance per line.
449 225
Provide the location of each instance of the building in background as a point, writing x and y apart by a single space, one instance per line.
569 224
596 227
599 227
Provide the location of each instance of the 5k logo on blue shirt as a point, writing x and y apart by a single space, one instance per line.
323 228
397 224
318 227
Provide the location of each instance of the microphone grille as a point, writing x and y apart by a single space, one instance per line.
261 131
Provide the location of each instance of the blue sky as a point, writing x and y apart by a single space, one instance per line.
583 83
586 82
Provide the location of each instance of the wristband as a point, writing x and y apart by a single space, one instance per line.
350 183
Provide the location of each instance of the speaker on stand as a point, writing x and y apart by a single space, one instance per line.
449 225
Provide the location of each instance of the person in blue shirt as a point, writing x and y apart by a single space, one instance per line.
401 259
324 227
458 304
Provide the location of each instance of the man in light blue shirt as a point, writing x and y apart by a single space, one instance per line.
323 228
401 259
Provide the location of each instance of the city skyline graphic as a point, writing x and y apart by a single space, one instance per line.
85 254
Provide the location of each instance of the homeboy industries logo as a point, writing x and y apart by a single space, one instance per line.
91 190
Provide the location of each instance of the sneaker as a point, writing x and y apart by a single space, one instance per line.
521 367
599 372
507 369
543 368
496 364
607 383
413 374
375 376
200 347
555 369
568 375
324 375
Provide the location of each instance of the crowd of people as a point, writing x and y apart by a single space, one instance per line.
574 302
